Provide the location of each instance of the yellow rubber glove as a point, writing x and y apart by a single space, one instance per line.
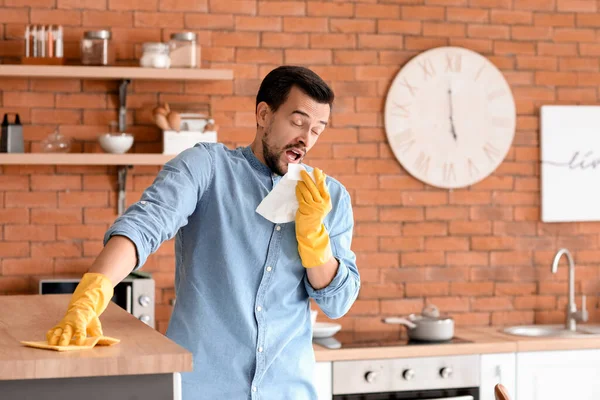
90 299
314 203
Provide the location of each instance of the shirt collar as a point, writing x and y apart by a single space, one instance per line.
255 162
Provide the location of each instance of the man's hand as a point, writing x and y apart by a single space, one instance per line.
90 299
314 203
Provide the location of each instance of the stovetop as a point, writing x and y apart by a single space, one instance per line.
354 339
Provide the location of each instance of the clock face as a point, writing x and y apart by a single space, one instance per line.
450 117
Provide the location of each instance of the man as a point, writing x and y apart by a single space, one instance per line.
243 283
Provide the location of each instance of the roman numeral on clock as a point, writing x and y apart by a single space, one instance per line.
407 85
421 164
491 152
496 94
400 110
479 71
427 68
453 62
449 174
473 170
404 140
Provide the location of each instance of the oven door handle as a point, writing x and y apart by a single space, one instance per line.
128 300
469 397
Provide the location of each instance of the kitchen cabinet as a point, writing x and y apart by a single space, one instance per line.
323 380
497 368
558 375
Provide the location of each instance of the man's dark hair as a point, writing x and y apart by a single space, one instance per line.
276 86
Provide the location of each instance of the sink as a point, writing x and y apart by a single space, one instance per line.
582 331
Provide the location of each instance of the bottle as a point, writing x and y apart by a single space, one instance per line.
27 48
58 51
184 50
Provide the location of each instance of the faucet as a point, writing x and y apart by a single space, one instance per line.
572 314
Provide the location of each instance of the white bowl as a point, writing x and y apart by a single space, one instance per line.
116 143
325 329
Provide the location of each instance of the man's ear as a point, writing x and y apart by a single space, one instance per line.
263 114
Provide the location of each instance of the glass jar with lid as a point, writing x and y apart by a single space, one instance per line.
155 55
96 48
184 50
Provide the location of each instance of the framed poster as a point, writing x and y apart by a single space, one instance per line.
570 158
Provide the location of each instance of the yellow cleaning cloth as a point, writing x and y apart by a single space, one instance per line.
89 344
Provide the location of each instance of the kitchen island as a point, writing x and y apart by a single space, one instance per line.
144 365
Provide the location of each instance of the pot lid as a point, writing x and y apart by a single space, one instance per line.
431 313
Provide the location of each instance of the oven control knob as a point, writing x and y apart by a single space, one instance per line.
371 376
145 318
446 372
408 374
144 300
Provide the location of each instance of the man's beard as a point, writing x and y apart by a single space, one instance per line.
272 157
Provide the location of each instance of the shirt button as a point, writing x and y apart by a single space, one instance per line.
260 349
254 388
258 308
143 202
269 269
278 228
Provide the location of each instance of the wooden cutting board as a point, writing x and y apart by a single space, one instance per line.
141 350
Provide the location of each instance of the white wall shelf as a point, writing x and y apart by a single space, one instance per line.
122 161
83 159
109 72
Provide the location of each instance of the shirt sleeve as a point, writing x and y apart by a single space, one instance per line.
165 206
336 298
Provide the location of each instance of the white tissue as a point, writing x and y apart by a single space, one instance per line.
280 205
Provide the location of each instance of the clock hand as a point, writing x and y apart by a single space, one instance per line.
452 130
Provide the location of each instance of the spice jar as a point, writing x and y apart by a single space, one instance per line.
155 55
96 48
184 50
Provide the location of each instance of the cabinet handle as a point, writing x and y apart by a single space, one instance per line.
499 373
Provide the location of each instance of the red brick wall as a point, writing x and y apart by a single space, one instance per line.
481 254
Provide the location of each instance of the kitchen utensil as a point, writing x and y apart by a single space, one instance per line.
116 143
500 392
11 139
325 329
96 48
56 143
428 326
184 50
155 55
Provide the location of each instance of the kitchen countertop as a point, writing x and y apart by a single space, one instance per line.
142 350
484 340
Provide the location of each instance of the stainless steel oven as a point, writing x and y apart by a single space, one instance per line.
422 378
135 293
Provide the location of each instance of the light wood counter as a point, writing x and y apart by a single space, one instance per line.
544 344
142 350
485 340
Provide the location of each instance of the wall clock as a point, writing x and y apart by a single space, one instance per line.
450 117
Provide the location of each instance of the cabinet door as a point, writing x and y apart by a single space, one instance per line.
558 375
497 368
323 380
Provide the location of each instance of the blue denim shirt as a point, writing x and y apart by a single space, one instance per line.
243 307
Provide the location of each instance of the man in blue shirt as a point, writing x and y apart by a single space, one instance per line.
243 284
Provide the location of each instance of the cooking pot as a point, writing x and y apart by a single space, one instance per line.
428 326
